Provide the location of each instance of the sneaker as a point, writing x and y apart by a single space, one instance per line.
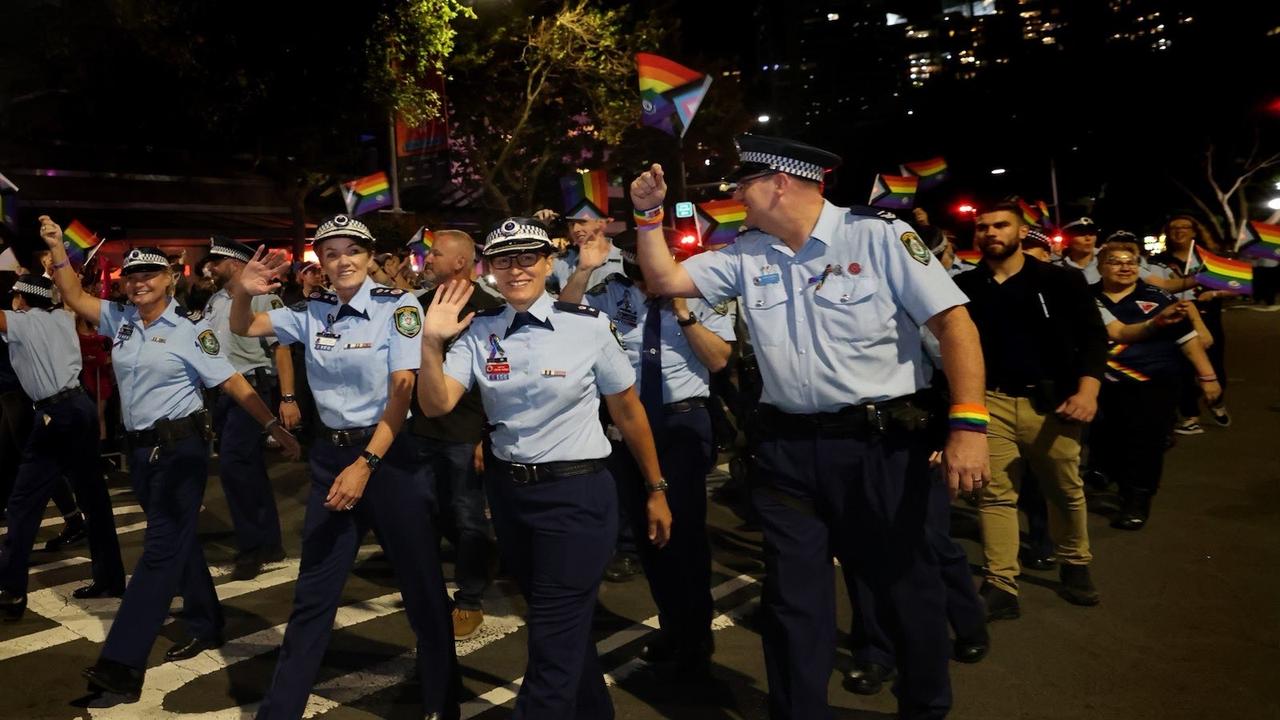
1188 427
1221 416
466 623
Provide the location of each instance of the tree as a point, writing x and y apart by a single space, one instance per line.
1239 177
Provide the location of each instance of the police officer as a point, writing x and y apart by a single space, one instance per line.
243 468
362 349
586 222
541 367
162 356
835 298
674 346
45 354
1081 252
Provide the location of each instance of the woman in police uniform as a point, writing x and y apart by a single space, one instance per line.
362 350
541 367
163 356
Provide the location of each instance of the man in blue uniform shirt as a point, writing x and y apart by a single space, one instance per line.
587 221
835 299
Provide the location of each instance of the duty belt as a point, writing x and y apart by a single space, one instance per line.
686 405
528 474
908 412
349 436
58 397
166 432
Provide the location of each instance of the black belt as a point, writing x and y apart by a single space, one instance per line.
349 436
259 378
686 405
167 432
900 413
58 397
522 474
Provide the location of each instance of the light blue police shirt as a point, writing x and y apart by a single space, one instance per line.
1091 272
160 368
245 353
837 323
1164 271
44 351
683 374
562 268
350 358
541 386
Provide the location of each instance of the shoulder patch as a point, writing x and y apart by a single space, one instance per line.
491 312
577 309
614 330
874 212
299 306
384 292
209 342
915 246
324 297
721 308
408 321
276 303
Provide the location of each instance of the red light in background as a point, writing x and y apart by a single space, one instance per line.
689 240
965 209
1058 239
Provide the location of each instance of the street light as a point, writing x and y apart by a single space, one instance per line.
762 119
1273 204
997 171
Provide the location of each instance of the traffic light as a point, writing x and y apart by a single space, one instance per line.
687 238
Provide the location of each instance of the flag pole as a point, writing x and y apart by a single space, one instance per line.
1053 183
395 172
1186 270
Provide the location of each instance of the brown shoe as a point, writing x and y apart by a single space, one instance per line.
466 623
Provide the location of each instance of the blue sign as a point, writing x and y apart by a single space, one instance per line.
684 209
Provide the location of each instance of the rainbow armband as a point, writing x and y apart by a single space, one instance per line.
970 417
649 219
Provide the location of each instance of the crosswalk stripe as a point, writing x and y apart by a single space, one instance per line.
57 565
117 510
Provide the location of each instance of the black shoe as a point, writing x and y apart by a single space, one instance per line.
1133 513
1001 604
971 649
72 533
1076 587
248 566
94 590
12 605
1097 480
660 648
663 648
272 554
1030 561
622 568
110 676
867 678
191 647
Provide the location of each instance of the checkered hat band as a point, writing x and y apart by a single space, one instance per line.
343 226
30 289
516 231
790 166
136 257
229 252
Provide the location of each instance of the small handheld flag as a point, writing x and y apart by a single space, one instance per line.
367 194
670 93
586 195
1030 214
932 172
1264 241
971 257
419 245
77 238
720 221
894 191
1220 273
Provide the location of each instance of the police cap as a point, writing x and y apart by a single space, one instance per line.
342 226
761 154
517 234
221 246
144 259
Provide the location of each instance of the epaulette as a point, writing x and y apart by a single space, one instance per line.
599 288
577 309
192 315
120 306
325 297
385 292
491 312
868 211
620 278
299 306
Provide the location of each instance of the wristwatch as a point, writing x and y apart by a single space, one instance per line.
660 486
373 461
691 320
288 398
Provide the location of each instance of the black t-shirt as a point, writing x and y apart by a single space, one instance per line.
1041 325
465 423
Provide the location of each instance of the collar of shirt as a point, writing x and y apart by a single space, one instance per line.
824 230
1066 260
540 309
170 315
359 304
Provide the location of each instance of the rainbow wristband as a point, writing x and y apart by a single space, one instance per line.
970 417
649 219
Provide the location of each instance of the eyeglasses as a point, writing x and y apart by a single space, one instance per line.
524 260
1121 263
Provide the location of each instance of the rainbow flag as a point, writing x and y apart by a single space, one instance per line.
1043 207
1219 273
367 194
931 172
586 195
1264 241
77 238
972 256
1030 214
894 191
670 93
720 221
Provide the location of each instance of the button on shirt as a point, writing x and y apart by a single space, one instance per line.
352 349
683 374
541 385
562 268
245 353
44 350
161 367
837 323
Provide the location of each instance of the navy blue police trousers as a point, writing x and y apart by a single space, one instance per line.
243 470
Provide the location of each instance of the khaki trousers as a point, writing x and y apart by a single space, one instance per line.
1021 440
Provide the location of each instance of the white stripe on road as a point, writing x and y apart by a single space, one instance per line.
118 510
56 565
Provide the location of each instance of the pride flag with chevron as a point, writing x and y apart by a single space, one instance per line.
586 195
670 93
931 172
1264 241
367 194
720 221
894 191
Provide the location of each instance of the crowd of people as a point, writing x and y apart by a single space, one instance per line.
563 407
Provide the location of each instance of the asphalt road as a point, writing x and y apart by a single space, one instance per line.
1189 625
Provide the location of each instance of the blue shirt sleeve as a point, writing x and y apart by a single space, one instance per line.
721 325
110 315
459 362
289 325
613 371
265 304
16 324
718 274
406 335
922 289
213 368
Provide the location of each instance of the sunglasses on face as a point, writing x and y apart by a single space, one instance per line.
524 260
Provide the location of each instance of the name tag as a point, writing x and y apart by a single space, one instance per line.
772 278
553 373
157 340
326 341
359 346
497 369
